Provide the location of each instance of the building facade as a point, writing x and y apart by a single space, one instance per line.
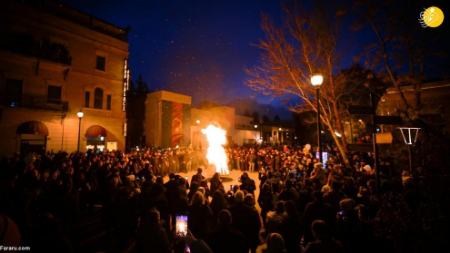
247 132
167 119
54 62
431 102
171 121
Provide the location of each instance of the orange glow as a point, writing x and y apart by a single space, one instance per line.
216 153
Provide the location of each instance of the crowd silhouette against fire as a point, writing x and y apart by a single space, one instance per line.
127 202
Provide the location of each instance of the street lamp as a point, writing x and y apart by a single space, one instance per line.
80 115
260 130
409 135
316 82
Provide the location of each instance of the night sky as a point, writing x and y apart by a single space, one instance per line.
199 48
202 47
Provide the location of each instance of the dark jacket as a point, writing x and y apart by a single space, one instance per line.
226 240
246 219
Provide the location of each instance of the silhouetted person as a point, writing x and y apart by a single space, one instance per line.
292 228
151 235
274 244
225 238
317 210
246 218
266 200
323 241
218 203
200 216
275 219
198 178
216 183
247 184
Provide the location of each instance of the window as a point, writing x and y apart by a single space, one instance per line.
108 102
87 97
54 94
98 98
100 63
13 92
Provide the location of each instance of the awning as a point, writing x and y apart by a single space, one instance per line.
95 131
32 127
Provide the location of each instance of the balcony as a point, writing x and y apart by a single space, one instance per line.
247 127
41 103
27 45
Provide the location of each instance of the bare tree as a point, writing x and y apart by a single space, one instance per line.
402 50
303 45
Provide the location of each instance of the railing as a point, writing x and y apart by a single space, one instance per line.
246 127
26 44
41 102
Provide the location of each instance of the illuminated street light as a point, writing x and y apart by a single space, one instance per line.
410 135
197 121
316 82
80 115
279 129
255 126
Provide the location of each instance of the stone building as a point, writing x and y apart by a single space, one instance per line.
54 62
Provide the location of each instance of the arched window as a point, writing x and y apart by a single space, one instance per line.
98 98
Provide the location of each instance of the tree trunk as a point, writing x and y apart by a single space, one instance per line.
342 148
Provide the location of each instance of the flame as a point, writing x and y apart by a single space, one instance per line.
216 153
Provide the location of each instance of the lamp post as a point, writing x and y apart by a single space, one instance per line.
260 131
80 115
409 135
316 82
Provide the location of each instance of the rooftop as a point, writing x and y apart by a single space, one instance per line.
423 86
64 11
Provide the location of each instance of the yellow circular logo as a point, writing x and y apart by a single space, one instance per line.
432 17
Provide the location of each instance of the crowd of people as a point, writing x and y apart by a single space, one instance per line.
287 201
